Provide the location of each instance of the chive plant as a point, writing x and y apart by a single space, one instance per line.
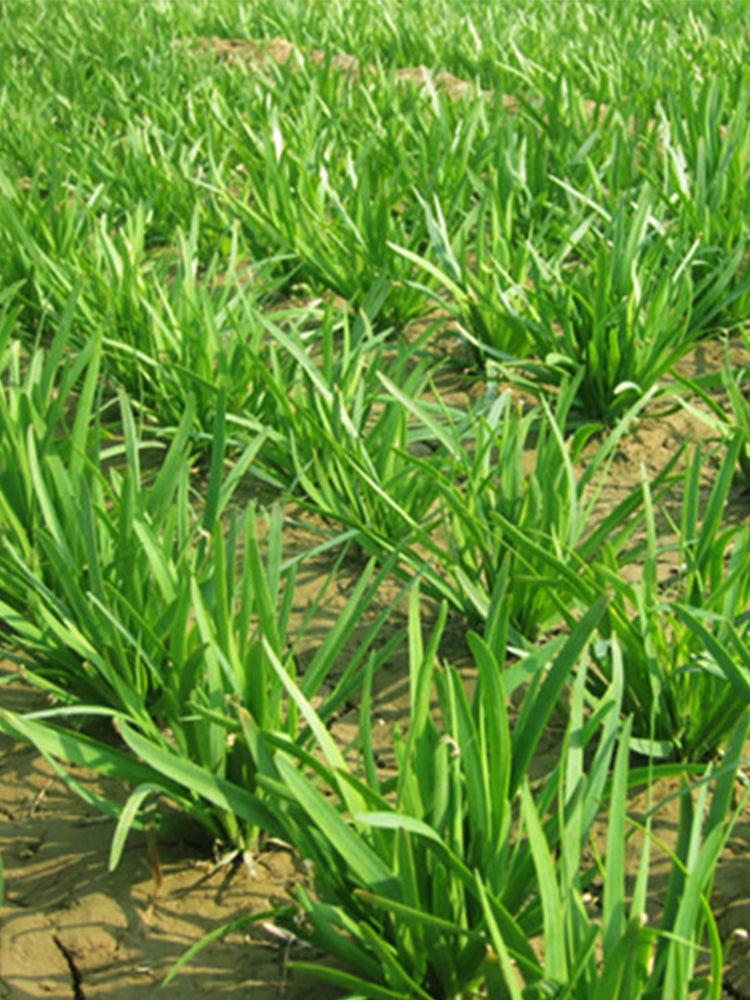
48 399
705 180
335 201
434 879
631 308
620 302
512 503
166 630
727 421
684 687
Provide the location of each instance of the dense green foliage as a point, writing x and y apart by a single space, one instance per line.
239 245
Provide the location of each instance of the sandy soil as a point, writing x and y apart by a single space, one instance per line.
70 928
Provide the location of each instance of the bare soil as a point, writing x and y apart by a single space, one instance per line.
71 928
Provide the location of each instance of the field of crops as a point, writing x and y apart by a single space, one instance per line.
374 468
